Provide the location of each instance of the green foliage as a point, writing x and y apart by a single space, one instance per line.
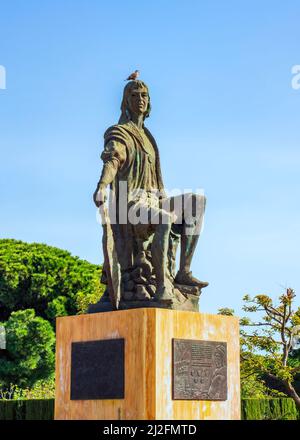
225 311
289 410
269 367
42 389
266 344
269 409
47 279
29 354
254 387
57 307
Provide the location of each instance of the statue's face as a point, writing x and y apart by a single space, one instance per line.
138 101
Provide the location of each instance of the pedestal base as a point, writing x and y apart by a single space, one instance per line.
136 364
185 298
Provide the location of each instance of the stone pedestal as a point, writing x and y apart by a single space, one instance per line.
149 363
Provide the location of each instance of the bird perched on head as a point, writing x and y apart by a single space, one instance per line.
133 76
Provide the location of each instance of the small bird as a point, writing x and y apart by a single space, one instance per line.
133 76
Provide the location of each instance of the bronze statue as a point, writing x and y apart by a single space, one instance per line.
140 244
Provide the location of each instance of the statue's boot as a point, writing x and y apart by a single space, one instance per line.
184 275
187 279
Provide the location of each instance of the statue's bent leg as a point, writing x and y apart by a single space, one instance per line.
159 249
192 217
174 240
188 246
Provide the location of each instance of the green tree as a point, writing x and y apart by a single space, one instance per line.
29 355
252 386
267 345
47 279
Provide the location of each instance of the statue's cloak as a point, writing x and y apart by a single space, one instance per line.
137 168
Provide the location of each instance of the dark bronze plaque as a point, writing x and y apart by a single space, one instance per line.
97 370
199 370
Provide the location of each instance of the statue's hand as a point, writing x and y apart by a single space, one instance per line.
100 195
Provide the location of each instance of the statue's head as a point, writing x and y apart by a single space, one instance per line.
136 99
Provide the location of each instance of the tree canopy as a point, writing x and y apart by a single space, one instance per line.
47 279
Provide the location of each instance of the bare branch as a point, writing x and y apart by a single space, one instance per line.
272 317
274 311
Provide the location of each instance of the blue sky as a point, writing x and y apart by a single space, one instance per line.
224 114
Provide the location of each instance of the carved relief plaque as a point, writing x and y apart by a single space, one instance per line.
199 370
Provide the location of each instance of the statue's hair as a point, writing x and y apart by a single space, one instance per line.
137 84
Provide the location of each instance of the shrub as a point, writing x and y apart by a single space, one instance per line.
47 279
269 409
29 354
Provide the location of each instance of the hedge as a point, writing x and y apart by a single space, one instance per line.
27 409
282 408
252 409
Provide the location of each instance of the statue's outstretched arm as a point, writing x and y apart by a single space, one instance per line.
113 156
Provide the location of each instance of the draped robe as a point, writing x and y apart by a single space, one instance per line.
137 161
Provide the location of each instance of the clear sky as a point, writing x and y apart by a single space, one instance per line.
224 114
